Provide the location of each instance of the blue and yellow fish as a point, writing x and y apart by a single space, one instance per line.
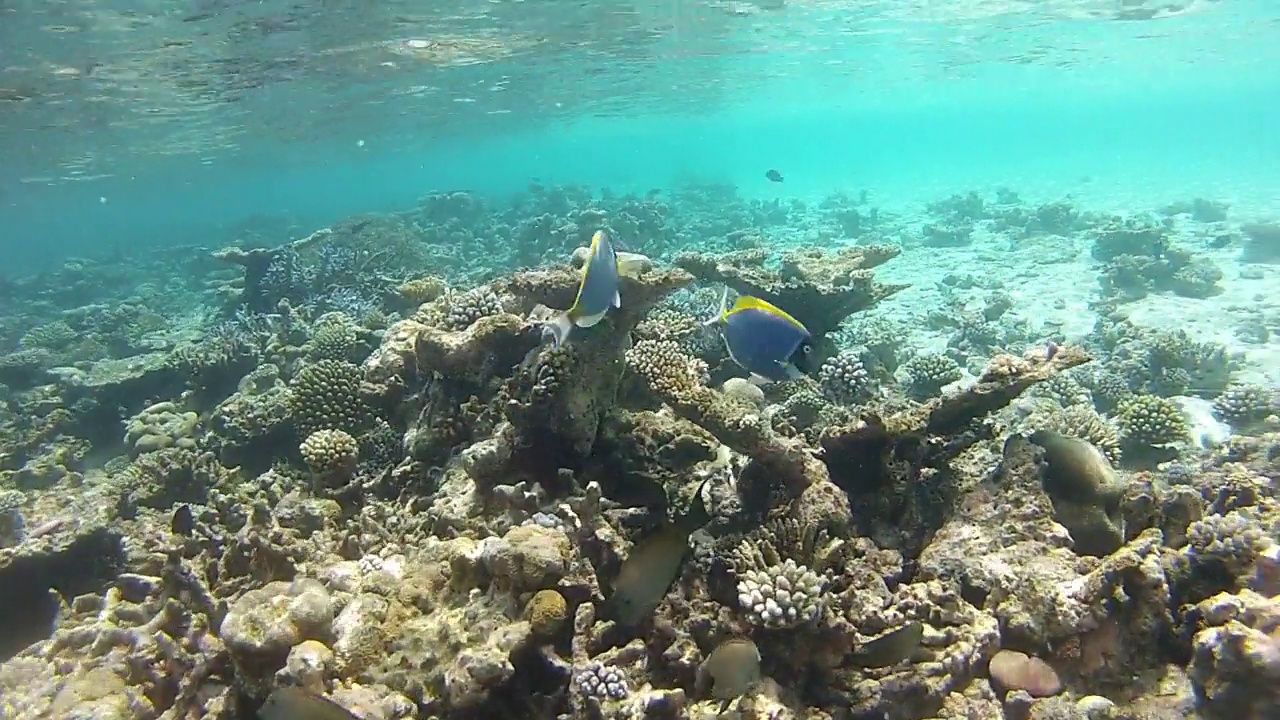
764 340
597 291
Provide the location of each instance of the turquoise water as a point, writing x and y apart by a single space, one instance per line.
126 128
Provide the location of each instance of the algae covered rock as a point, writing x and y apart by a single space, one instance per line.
1235 668
359 636
547 612
262 625
527 557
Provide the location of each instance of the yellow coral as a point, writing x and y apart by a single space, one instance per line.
547 611
331 454
670 372
423 289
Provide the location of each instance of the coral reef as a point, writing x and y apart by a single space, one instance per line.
360 471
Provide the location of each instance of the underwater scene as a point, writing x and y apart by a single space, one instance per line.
640 359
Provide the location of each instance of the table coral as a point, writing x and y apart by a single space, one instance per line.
819 288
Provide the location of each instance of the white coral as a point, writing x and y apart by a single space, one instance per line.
780 596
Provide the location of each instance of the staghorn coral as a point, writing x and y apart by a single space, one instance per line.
142 648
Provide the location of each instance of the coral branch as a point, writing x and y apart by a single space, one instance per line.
819 288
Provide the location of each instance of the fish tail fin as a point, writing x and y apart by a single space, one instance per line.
724 305
558 330
697 515
793 372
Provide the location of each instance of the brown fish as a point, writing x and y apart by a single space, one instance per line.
294 703
732 669
652 565
1075 470
891 648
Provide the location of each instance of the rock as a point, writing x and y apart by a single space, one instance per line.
344 576
263 625
358 630
307 666
1095 707
1235 665
1011 670
528 557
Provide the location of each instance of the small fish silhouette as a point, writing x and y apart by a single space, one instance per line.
774 176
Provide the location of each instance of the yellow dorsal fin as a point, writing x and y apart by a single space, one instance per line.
586 265
748 302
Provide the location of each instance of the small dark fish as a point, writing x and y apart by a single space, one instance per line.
774 176
652 565
891 648
294 703
182 522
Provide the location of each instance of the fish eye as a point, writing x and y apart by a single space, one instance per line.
808 349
